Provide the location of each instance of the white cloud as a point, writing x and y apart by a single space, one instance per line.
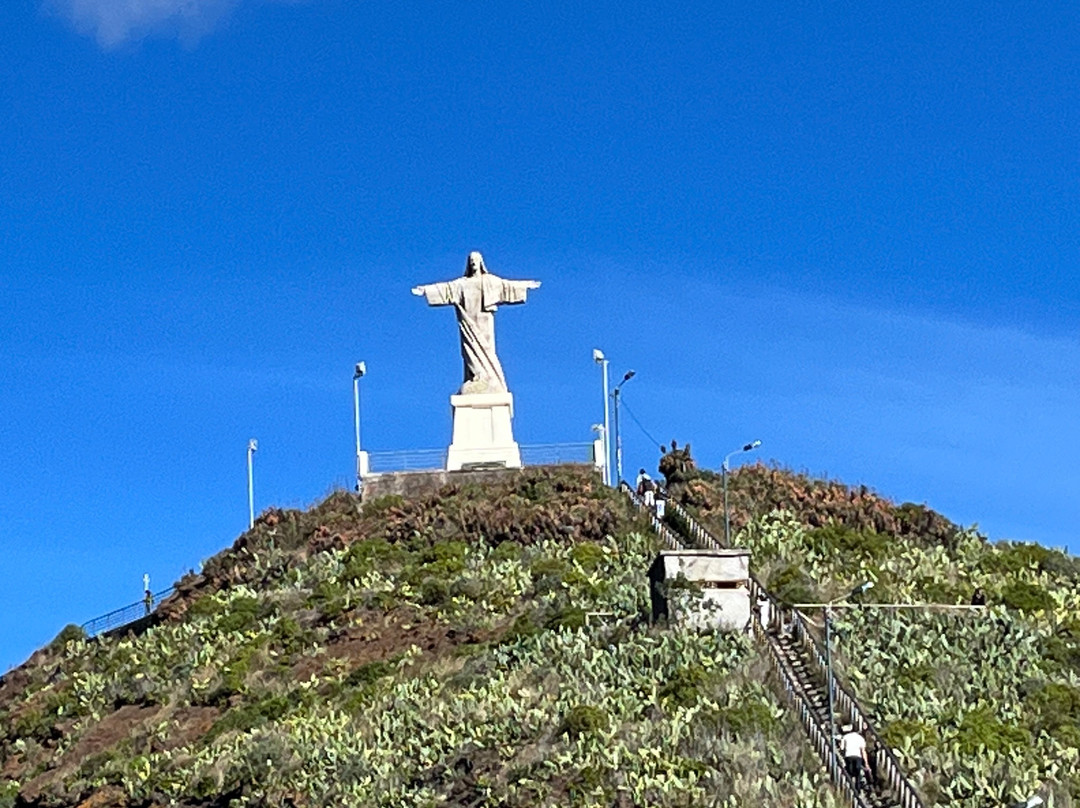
113 22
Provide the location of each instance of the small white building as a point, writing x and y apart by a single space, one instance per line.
702 589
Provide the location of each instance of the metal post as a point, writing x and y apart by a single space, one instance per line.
358 373
618 436
253 445
724 468
727 520
829 685
607 428
618 440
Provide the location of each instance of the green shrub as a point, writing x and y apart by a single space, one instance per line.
380 505
9 791
588 555
507 551
365 556
249 716
1026 597
840 540
1056 705
524 625
683 687
1008 557
565 617
548 566
241 615
446 557
915 674
980 730
67 634
329 598
583 719
468 588
236 671
748 716
434 591
921 735
369 673
791 584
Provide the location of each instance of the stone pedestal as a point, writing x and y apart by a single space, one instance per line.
483 437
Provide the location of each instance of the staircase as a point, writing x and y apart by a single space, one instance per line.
799 661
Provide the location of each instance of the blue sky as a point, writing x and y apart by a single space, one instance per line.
849 230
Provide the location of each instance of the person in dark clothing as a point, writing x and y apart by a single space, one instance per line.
979 597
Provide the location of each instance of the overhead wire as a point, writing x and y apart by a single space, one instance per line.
634 418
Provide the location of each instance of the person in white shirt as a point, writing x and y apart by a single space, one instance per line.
853 747
646 488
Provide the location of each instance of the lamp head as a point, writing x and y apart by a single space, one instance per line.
752 445
253 445
861 588
360 370
597 355
629 375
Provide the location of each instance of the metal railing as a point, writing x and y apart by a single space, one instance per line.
800 700
666 534
550 454
416 460
888 767
125 615
693 529
539 454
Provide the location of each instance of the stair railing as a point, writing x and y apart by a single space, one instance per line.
693 528
125 615
762 623
797 696
666 534
888 767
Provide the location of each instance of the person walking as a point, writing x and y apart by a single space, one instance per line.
646 489
856 762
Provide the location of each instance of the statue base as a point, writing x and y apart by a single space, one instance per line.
483 437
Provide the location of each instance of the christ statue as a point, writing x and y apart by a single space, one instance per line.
475 298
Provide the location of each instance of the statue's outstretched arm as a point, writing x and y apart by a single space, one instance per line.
437 294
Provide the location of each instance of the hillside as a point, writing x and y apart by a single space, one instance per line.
982 707
477 646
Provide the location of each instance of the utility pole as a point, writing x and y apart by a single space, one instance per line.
723 474
358 373
618 435
600 359
253 446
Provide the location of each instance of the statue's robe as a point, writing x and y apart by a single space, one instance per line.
475 299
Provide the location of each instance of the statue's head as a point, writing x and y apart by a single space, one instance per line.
474 265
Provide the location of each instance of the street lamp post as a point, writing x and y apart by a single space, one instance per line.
723 474
829 684
253 446
600 359
358 373
618 436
